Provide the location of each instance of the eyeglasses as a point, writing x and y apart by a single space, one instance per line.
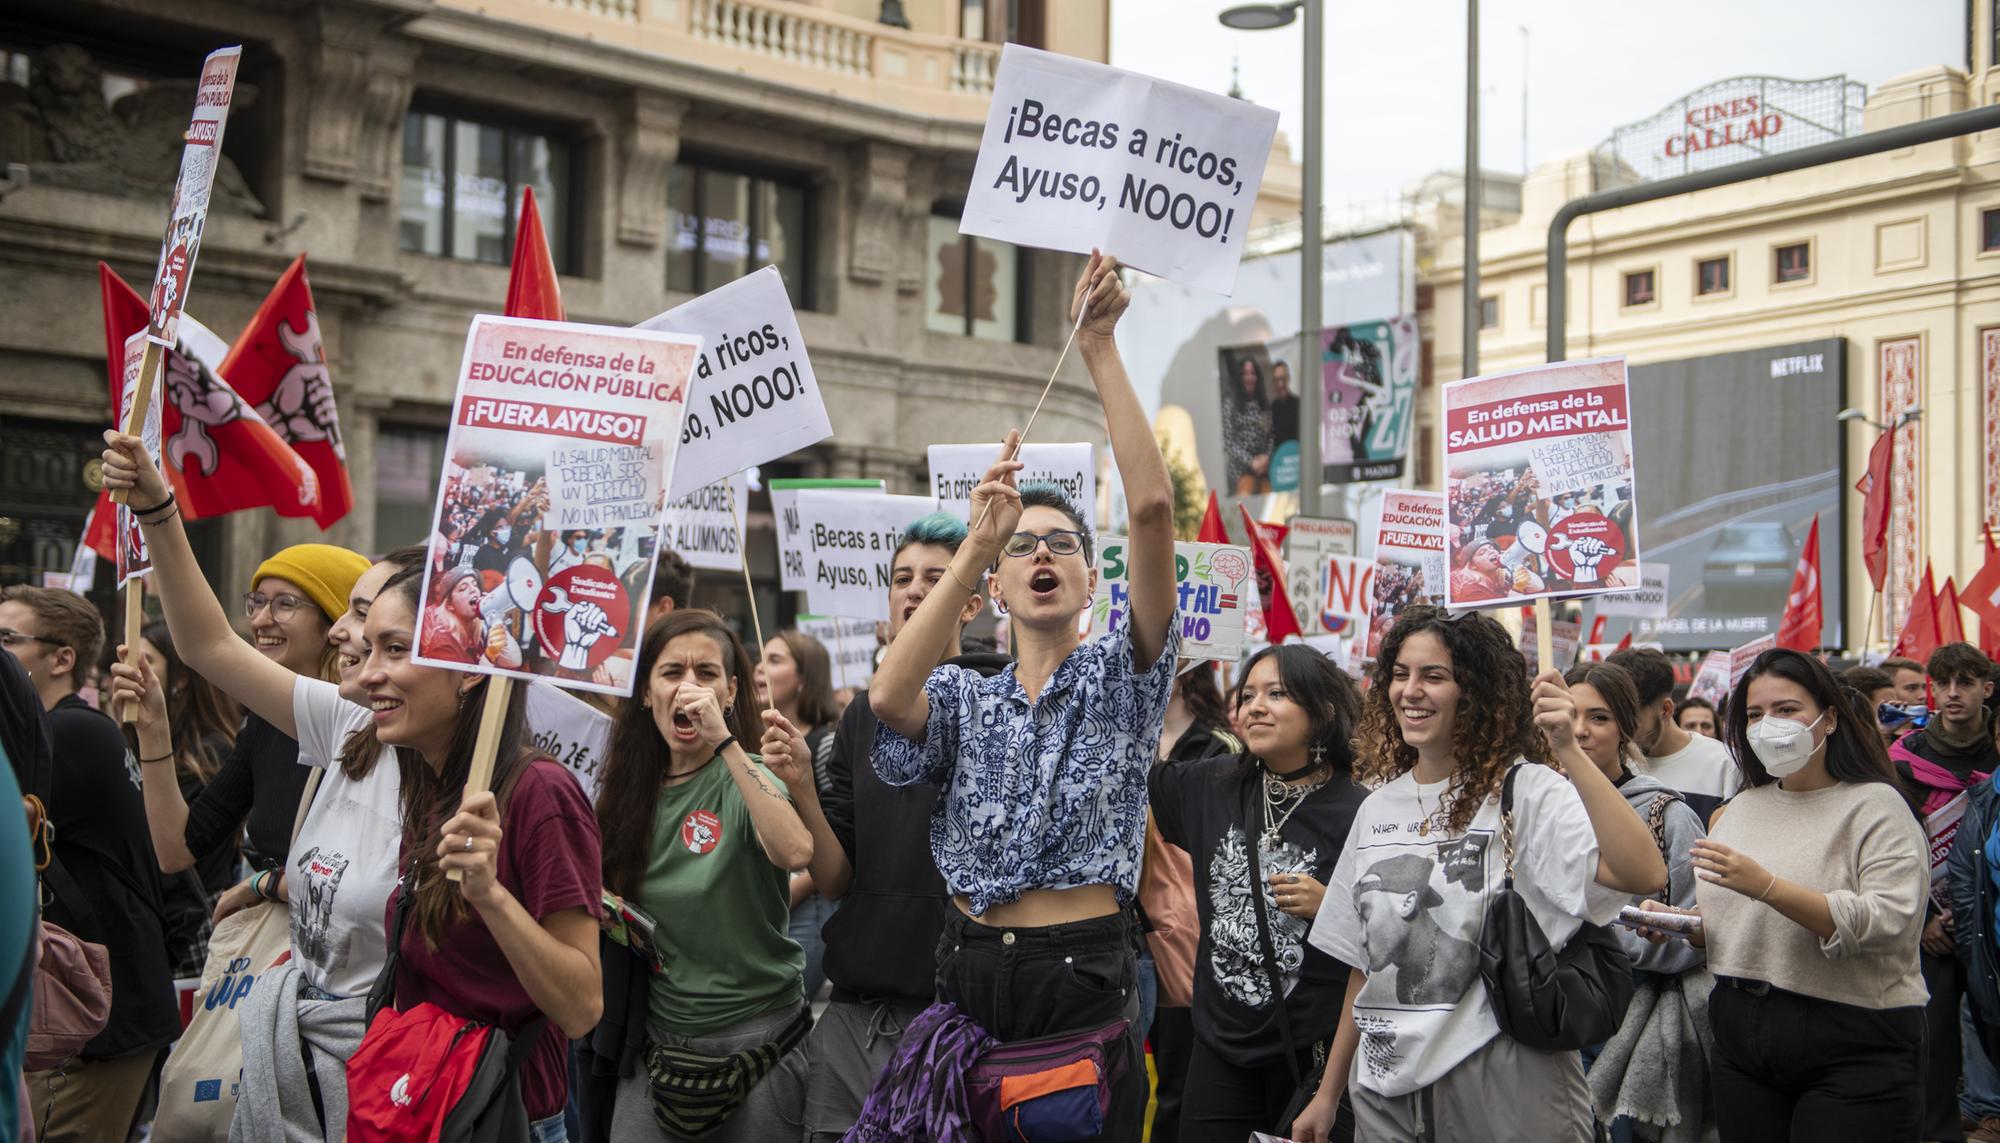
1062 543
283 607
10 639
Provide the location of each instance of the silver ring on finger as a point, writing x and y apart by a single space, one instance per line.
468 843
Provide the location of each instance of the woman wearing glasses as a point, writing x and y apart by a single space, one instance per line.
1041 823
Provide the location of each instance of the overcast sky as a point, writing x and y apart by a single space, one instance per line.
1395 88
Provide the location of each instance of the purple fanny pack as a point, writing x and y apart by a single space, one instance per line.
1054 1089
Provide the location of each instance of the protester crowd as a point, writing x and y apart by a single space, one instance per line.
973 901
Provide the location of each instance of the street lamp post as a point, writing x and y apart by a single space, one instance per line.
1909 416
1474 192
1312 393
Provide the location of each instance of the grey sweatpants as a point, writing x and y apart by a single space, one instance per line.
773 1111
1502 1093
848 1048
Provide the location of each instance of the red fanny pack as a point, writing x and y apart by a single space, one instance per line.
411 1069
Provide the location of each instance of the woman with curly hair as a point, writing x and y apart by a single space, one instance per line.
1422 862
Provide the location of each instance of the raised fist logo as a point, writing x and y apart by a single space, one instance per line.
1584 547
579 617
301 404
203 405
584 623
1586 554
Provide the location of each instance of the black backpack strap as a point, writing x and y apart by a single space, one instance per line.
383 993
1270 950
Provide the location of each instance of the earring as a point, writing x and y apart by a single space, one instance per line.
1319 755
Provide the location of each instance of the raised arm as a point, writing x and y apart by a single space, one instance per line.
1149 495
202 633
786 755
166 810
1627 858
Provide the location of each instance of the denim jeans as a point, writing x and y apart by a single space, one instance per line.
1981 1097
548 1130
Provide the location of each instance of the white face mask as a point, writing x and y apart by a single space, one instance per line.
1783 745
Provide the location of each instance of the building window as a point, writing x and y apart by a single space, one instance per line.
1794 262
728 221
462 184
1711 276
1639 288
408 462
972 19
972 286
1489 312
1989 230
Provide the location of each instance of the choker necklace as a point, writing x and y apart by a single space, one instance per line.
1282 799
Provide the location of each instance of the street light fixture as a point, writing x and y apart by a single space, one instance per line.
1263 17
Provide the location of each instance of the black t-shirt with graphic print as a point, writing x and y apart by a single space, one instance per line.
1214 809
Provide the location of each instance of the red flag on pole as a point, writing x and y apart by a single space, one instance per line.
1624 644
1279 618
1799 630
1212 531
1950 627
532 289
1874 487
1919 636
1982 595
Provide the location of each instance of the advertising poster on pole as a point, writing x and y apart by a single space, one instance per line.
851 545
134 560
703 525
792 573
1539 484
1409 558
1368 379
1310 541
1079 156
957 468
566 427
754 397
1214 579
187 215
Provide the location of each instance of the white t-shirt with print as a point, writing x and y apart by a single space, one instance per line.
1703 768
1407 909
343 865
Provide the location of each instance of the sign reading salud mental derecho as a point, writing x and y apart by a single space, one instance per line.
1078 156
1539 485
1214 582
593 413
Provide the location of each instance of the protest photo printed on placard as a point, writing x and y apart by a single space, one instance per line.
1741 658
792 539
754 397
851 546
1215 584
705 526
187 213
1409 558
1712 681
134 559
1539 484
1369 385
519 587
1079 156
956 469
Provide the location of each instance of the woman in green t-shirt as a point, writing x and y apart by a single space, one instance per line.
703 838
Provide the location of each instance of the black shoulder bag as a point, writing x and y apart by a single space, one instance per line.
1304 1087
1552 1000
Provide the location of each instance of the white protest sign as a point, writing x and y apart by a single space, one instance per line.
956 469
594 486
792 573
532 392
1647 601
1409 558
703 525
187 215
1741 658
1078 156
852 539
1712 681
849 643
1310 541
1215 584
134 559
571 731
1515 532
1348 597
755 398
1564 635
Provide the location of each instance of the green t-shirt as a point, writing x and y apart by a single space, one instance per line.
723 910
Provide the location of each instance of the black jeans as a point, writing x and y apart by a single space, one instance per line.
1026 983
1945 1056
1225 1103
1796 1067
1172 1037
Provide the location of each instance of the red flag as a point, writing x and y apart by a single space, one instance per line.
1919 636
1624 644
1874 487
1212 531
1279 618
217 449
532 289
100 528
1799 630
279 366
1982 595
1950 628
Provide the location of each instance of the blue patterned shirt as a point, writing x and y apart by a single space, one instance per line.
1042 795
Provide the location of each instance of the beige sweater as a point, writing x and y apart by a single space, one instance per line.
1859 844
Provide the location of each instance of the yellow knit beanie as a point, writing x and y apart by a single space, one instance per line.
324 572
